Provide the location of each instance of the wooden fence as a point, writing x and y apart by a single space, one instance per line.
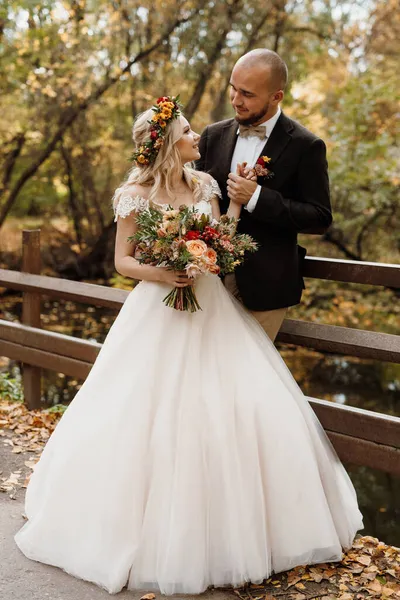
359 436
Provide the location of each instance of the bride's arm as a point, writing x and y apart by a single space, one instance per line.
124 261
216 213
234 209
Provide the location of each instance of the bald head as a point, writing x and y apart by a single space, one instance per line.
257 84
262 58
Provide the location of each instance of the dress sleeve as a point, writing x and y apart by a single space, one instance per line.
128 204
212 189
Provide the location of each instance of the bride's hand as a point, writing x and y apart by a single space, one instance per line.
246 172
175 278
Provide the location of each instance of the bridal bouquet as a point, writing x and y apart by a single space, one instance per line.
186 240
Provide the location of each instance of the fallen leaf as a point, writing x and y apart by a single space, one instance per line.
292 579
374 586
300 586
148 597
364 560
316 575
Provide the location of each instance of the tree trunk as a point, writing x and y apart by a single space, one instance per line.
72 199
97 263
11 159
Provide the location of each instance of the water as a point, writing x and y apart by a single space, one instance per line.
367 384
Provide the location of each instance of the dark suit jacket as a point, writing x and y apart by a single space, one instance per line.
294 200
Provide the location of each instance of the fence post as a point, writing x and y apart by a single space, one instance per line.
31 263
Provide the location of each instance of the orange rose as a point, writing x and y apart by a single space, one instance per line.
214 269
196 247
211 256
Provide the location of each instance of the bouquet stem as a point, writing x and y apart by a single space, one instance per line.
182 299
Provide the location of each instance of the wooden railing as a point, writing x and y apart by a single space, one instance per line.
359 436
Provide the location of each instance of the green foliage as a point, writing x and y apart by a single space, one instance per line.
57 409
11 387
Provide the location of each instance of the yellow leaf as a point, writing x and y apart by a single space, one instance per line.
148 597
300 586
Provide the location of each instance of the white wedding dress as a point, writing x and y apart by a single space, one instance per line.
189 457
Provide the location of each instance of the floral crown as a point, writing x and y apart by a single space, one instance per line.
166 110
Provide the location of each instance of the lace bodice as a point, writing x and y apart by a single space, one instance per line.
128 203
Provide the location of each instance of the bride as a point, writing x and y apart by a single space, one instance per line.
189 457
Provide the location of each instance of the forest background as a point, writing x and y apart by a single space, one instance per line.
75 73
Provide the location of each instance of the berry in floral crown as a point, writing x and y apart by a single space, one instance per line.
165 110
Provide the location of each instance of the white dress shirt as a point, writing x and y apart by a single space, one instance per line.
248 149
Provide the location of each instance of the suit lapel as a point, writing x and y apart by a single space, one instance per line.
278 140
227 143
275 145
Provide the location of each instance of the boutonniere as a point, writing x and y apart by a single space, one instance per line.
261 168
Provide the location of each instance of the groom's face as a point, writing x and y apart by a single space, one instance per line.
251 93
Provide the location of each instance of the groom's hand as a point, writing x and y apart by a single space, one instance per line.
240 189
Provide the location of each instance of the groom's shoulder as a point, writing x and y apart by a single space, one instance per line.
218 126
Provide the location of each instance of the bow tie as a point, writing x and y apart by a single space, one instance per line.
247 131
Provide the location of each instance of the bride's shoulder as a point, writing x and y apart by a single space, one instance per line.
204 178
209 184
130 198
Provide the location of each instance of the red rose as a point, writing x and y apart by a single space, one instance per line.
260 162
153 135
192 235
210 232
162 99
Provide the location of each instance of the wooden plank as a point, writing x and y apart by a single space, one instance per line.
357 422
50 341
352 426
86 293
46 360
31 263
360 423
352 271
367 454
341 340
31 301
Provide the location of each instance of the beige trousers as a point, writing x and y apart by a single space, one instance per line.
270 320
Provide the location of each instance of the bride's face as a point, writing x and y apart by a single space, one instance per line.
188 144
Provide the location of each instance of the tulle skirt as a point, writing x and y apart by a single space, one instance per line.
188 458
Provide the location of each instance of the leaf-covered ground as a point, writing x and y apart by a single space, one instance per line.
370 569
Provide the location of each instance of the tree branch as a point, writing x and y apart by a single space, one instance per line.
217 112
329 236
206 73
72 113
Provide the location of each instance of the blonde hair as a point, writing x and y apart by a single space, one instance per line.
164 170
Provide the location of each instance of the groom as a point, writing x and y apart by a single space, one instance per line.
291 194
